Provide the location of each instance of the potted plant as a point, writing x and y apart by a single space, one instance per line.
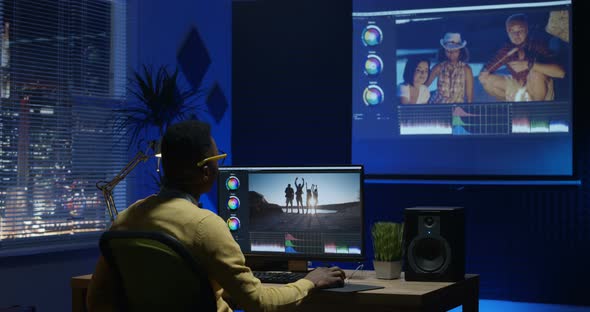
387 245
158 100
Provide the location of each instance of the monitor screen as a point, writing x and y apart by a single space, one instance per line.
313 213
456 88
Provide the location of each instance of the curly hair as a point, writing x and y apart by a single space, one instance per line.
183 145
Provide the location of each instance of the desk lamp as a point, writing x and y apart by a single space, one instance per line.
106 187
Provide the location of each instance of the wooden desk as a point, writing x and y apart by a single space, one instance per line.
79 286
398 295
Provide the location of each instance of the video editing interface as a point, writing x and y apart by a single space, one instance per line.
294 212
507 96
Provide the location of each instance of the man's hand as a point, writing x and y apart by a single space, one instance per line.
519 66
483 76
327 277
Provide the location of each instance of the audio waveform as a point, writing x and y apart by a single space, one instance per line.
276 247
459 130
424 120
457 121
355 250
267 242
338 243
290 246
303 242
559 126
486 119
546 117
425 127
460 112
341 248
290 237
526 125
458 126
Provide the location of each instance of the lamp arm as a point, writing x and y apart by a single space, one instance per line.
107 187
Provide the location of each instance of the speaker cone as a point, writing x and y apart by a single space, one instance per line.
429 254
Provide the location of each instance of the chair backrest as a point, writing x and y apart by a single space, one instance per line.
157 272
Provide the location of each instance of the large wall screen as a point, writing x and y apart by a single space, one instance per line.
470 90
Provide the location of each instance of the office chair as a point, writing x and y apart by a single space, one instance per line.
157 273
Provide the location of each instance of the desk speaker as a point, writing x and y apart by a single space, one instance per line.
434 244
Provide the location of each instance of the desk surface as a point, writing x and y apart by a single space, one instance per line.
397 295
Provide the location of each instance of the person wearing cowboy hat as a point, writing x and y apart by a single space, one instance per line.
531 66
454 76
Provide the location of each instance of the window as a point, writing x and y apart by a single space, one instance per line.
62 72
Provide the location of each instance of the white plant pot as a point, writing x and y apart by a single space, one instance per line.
387 270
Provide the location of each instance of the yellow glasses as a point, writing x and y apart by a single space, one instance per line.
216 157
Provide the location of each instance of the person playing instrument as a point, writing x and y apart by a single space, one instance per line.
531 65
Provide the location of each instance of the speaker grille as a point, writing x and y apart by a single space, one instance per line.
429 254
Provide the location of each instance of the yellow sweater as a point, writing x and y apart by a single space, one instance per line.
208 238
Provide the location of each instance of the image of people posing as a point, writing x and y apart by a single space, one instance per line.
413 90
454 76
339 210
508 56
530 63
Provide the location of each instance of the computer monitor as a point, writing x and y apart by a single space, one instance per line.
294 213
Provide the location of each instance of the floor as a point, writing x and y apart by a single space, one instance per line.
510 306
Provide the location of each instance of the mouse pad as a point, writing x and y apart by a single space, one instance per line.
353 288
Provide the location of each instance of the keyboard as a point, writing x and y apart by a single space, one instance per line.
278 277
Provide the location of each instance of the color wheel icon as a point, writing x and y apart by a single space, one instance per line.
373 65
232 183
233 223
233 203
373 95
372 36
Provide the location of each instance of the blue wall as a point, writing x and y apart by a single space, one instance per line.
156 30
528 242
158 34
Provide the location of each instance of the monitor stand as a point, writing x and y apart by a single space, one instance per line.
297 265
265 264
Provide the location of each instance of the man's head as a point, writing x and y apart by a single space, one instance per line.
184 146
517 27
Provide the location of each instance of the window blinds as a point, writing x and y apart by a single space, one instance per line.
62 72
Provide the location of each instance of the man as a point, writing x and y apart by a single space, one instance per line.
299 194
289 194
530 63
189 160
